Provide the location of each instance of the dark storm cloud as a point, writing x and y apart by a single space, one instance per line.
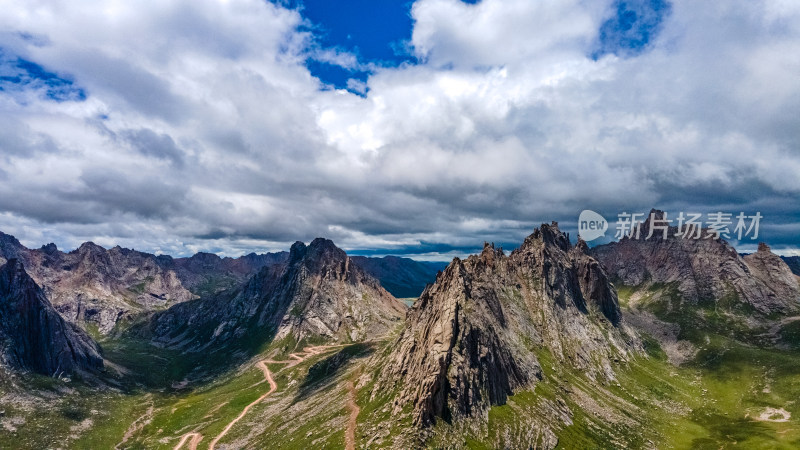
113 191
18 140
138 88
149 143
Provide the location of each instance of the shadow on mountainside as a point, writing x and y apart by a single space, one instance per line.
328 369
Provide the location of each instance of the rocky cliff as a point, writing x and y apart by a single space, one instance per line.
706 269
475 336
33 336
318 293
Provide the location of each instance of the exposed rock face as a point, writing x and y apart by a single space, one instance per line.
33 336
472 338
402 277
319 292
703 269
92 285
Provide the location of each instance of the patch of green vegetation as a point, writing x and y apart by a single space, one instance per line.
213 285
652 347
624 293
139 288
93 330
148 366
722 392
725 317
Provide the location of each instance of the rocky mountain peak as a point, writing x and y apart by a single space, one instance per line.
9 240
471 338
773 272
297 252
548 234
318 293
50 249
205 258
582 246
10 247
90 247
324 251
321 255
655 215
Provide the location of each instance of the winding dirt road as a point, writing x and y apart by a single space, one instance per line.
195 439
294 359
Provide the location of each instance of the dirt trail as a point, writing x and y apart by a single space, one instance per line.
350 434
195 439
295 359
272 387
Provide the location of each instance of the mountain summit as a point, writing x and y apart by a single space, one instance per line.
318 293
474 336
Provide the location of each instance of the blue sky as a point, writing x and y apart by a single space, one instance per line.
377 32
630 28
418 128
18 74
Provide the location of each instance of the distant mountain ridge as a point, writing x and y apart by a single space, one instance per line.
95 286
793 262
402 277
207 274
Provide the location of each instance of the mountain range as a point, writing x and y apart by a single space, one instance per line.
97 288
659 342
